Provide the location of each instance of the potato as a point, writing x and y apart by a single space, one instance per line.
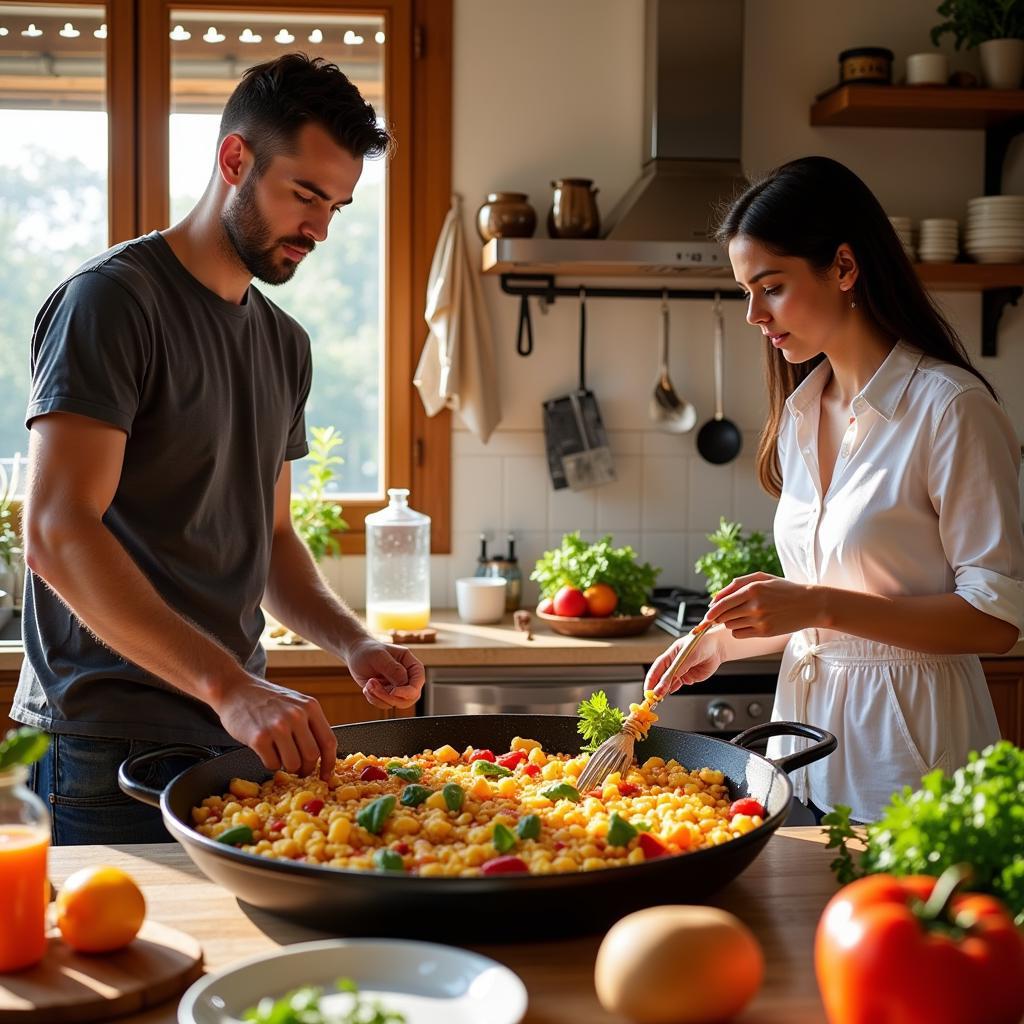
678 965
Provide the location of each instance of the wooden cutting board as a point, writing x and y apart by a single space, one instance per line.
76 988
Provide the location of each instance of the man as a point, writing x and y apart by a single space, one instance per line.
167 401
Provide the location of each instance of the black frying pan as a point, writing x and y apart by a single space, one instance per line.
489 909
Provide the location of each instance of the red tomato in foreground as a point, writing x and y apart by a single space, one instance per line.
879 961
507 865
747 805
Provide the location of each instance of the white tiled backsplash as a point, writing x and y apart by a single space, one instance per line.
664 502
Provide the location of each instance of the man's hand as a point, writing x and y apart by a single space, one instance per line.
390 676
286 729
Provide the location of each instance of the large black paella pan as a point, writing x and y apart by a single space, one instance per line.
486 908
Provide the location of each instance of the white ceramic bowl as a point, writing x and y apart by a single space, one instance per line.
480 599
429 983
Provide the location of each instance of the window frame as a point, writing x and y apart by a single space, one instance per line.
417 73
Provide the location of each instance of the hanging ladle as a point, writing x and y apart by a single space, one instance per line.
667 409
719 440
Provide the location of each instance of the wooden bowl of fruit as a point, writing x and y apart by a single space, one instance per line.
592 613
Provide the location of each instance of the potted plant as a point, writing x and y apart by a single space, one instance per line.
10 544
736 555
996 28
316 517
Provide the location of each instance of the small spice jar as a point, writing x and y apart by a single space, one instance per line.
866 64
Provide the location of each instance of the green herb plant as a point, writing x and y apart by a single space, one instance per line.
316 517
975 21
975 817
302 1006
22 746
10 546
736 555
577 563
598 721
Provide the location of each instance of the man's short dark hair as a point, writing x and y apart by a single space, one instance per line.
274 100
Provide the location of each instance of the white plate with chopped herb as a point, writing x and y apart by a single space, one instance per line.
359 981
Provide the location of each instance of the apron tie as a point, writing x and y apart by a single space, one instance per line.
805 668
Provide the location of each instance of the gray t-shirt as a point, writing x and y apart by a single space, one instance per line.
211 395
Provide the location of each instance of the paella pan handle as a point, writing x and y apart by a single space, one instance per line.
826 742
131 786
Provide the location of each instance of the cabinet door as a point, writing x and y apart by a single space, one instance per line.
343 702
1006 684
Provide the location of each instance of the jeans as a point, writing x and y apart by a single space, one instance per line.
77 779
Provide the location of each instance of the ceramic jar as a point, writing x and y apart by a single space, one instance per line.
573 212
506 215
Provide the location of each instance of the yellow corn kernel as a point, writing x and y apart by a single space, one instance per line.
345 793
565 863
339 829
537 756
248 817
507 786
653 762
552 770
200 814
436 802
519 743
710 776
404 825
636 856
360 763
243 788
610 791
437 829
476 854
301 799
304 833
592 864
231 808
431 870
283 778
286 847
481 789
446 754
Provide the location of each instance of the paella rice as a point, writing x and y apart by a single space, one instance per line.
450 813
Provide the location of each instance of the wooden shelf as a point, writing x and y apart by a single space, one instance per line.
927 106
970 277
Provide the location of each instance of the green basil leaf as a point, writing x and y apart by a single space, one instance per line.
413 795
489 768
388 860
528 827
642 826
562 791
237 835
409 772
454 796
503 838
620 832
375 813
23 746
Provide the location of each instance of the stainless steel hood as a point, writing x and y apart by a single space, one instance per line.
691 153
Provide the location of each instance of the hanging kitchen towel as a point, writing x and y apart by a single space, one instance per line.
457 365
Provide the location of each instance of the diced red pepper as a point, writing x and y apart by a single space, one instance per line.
313 806
511 759
276 826
402 848
652 846
593 792
371 773
507 865
531 769
628 789
559 845
746 805
482 755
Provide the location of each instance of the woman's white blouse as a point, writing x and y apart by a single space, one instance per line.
923 500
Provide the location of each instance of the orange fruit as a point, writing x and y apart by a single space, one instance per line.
100 909
601 600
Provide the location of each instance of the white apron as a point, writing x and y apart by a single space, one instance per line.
923 500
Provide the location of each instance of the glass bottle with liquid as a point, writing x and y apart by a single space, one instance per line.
397 566
24 890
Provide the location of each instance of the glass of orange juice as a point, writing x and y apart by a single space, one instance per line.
24 892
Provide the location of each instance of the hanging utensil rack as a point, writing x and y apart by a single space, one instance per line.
544 288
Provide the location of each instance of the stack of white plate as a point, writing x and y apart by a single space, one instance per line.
995 229
903 229
938 240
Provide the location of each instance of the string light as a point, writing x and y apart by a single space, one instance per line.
284 37
32 32
101 32
3 31
179 35
248 36
351 39
316 36
380 38
69 31
213 36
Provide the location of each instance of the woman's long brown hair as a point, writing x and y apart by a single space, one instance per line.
808 208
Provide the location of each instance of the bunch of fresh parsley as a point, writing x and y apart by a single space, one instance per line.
736 555
975 817
577 563
598 722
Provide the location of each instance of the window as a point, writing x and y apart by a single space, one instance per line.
162 75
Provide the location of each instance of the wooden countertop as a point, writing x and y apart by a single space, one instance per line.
780 896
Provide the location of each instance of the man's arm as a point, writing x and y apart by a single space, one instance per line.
73 471
297 596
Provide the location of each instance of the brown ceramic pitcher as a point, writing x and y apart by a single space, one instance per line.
506 215
573 212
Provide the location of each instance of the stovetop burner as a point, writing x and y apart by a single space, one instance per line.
679 608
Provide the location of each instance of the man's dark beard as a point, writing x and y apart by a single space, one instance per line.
249 234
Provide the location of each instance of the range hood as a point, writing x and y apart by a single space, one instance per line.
693 83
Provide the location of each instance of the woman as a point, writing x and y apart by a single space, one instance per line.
898 524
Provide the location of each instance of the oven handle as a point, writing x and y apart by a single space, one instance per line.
825 743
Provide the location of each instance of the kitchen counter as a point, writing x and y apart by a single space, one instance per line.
780 896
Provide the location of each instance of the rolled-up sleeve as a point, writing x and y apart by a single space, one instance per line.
972 480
